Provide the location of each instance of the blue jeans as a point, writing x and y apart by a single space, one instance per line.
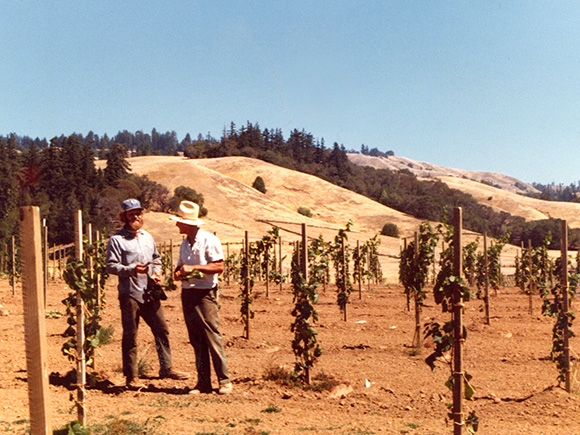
200 310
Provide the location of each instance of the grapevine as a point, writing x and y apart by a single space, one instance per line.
443 334
341 268
414 265
305 345
89 286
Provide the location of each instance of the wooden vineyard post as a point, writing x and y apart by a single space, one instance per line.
565 302
60 251
96 279
369 263
53 250
228 263
304 268
267 259
81 366
34 327
458 387
304 254
359 269
171 268
90 265
417 339
246 280
531 284
280 259
45 259
486 272
13 266
343 273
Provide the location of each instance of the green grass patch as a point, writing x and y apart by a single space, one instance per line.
271 409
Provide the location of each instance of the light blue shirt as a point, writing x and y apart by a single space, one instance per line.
125 251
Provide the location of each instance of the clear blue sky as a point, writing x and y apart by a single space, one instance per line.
477 85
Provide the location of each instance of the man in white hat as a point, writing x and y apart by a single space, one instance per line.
132 255
201 259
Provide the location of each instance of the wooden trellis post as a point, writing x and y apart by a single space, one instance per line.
486 271
531 285
45 259
13 266
343 273
280 259
304 268
359 269
34 327
458 387
81 363
228 263
369 263
246 275
267 258
565 302
417 340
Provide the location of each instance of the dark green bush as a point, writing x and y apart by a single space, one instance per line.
390 230
305 211
259 184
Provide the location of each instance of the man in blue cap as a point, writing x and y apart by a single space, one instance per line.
132 255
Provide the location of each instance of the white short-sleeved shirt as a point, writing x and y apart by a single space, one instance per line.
206 249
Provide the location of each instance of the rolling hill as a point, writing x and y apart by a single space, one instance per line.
235 207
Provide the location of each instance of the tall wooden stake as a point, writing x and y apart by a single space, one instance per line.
267 258
280 259
417 338
13 266
486 271
359 269
247 281
343 272
458 387
228 263
304 268
45 259
81 363
531 285
34 327
565 302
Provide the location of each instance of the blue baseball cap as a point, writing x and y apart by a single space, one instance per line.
131 204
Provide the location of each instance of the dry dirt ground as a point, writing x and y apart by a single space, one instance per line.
385 387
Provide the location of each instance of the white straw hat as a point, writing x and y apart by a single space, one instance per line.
188 214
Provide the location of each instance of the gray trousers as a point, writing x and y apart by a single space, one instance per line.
200 310
152 314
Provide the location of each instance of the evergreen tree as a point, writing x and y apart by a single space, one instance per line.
9 189
117 165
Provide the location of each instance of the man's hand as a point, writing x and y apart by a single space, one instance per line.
142 268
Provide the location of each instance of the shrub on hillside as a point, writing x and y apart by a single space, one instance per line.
390 230
259 184
305 211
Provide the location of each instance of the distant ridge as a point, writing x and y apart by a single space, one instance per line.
428 170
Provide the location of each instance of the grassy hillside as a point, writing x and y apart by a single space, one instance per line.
235 207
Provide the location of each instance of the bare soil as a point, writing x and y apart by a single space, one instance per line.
384 386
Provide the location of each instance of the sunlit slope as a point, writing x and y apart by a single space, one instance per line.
226 187
517 205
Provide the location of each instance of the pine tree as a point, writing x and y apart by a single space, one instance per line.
9 189
117 165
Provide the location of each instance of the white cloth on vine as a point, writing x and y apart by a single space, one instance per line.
125 251
206 249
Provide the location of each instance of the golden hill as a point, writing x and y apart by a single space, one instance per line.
235 207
